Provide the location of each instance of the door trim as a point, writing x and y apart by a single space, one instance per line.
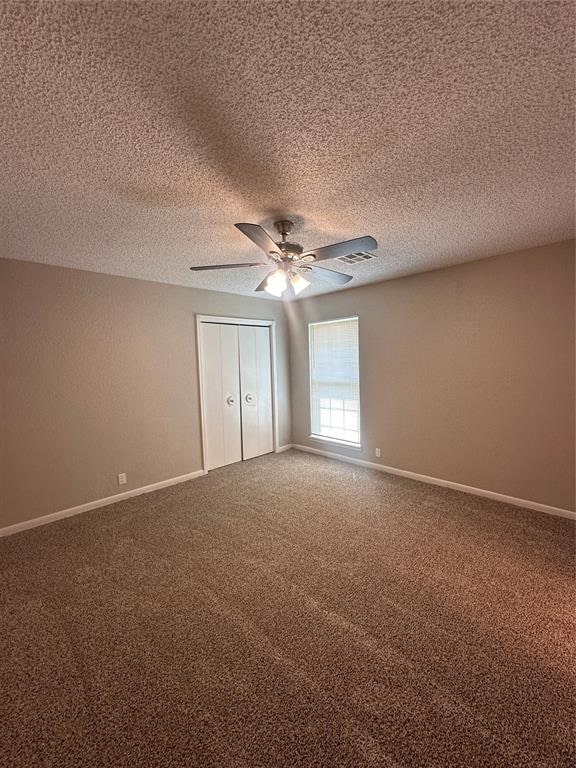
219 320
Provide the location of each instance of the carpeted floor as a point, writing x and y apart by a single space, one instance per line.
289 611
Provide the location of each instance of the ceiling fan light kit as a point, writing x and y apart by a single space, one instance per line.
277 282
291 262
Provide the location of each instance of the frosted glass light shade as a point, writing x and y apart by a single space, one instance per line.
299 283
276 283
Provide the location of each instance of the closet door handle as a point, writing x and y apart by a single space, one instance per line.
249 398
230 399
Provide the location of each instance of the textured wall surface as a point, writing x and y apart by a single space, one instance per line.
134 134
466 373
99 376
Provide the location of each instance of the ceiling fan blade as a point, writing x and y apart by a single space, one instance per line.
347 248
259 237
228 266
262 286
331 275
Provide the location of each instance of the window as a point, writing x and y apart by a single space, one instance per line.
334 380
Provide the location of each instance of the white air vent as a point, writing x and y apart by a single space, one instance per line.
356 258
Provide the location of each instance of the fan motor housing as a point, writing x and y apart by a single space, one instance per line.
292 250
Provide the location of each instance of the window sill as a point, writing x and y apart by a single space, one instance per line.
335 441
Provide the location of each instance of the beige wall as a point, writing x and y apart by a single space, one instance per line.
467 373
99 376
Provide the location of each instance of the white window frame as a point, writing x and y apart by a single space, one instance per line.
322 438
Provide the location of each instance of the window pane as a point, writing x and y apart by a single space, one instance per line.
351 420
337 419
334 379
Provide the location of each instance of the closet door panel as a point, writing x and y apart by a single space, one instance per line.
256 390
221 390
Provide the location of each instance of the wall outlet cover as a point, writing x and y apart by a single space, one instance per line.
122 478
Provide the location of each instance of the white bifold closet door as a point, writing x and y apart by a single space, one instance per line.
255 390
237 392
221 389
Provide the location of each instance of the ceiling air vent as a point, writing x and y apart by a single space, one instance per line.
356 258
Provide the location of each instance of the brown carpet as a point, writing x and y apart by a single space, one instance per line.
289 611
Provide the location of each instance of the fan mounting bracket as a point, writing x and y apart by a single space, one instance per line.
284 227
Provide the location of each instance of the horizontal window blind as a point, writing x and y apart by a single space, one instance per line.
335 380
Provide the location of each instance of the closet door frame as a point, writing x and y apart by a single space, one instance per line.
219 319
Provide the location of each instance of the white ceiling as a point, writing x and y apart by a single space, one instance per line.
134 135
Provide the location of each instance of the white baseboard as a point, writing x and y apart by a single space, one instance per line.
525 503
45 519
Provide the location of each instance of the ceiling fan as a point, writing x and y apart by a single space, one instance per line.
291 262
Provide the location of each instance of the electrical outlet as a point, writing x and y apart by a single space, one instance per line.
122 478
377 452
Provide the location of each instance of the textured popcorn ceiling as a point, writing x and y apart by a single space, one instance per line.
134 135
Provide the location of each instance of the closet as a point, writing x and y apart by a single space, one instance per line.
236 382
